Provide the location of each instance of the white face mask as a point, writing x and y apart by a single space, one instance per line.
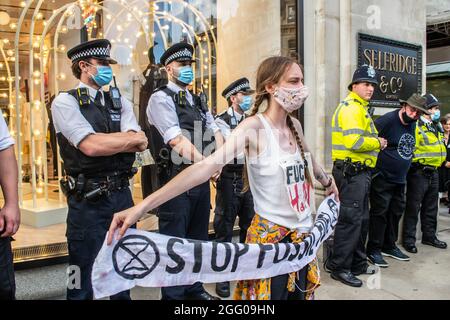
291 99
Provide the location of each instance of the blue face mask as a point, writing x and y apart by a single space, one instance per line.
246 103
185 75
436 116
104 75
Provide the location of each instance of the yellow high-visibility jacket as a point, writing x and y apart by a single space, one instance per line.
354 134
430 147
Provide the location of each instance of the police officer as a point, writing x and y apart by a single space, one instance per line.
355 149
98 136
230 201
9 214
423 179
171 109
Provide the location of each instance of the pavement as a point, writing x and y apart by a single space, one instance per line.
425 277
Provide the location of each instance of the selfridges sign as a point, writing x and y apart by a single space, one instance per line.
398 66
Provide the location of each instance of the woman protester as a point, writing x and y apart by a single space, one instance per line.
278 175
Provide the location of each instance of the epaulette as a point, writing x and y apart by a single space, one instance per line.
160 88
220 115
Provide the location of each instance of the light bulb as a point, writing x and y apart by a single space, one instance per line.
36 74
13 26
61 48
37 104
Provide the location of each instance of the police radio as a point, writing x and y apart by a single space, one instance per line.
115 96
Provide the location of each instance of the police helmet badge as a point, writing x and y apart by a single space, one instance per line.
371 72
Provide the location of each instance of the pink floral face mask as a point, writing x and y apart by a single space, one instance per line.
291 99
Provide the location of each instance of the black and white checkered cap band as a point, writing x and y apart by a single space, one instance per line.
184 54
99 52
242 87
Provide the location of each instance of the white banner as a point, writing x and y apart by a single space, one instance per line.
153 260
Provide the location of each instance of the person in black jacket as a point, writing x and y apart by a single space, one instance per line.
155 77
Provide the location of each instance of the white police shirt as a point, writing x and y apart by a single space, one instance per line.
224 127
162 114
226 130
5 138
69 120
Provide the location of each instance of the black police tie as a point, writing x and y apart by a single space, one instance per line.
98 99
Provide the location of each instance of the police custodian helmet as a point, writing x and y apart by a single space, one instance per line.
365 73
431 101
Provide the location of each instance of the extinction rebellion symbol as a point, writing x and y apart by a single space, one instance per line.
135 248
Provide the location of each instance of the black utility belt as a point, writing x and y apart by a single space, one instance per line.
93 188
350 168
424 168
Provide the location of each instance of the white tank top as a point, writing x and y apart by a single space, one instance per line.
278 185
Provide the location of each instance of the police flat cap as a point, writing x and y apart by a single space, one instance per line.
365 73
241 85
178 52
98 49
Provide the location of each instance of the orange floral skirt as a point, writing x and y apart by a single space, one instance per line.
264 231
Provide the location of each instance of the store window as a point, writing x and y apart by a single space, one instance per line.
230 37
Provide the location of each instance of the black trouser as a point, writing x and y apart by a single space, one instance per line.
230 203
186 216
422 195
87 225
7 282
278 284
387 204
148 179
351 230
